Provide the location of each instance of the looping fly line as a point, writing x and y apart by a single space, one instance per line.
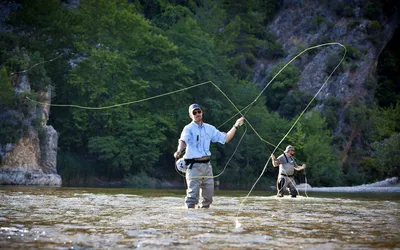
37 64
243 112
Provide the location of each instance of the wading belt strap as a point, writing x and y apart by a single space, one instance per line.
190 162
287 175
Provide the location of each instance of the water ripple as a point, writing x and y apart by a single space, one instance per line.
108 219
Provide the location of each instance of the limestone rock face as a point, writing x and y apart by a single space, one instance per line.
298 26
24 165
48 146
32 159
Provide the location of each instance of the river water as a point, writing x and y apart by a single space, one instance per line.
105 218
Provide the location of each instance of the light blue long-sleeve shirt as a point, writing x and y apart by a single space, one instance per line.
198 138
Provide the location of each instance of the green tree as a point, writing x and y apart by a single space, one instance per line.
38 78
294 103
381 133
44 25
122 59
331 107
388 91
385 122
135 147
280 87
312 140
237 28
387 157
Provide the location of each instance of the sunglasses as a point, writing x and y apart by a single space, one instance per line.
195 112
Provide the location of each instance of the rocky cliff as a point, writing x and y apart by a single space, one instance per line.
301 24
32 159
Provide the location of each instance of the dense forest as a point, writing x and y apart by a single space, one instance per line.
109 52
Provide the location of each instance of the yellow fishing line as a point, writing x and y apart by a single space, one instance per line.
36 65
236 108
122 104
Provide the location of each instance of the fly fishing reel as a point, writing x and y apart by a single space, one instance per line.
181 165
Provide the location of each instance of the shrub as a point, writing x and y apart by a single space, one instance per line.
348 11
282 84
344 10
294 103
37 75
374 27
319 20
355 114
373 10
331 63
330 111
370 83
353 53
353 24
74 170
354 67
141 180
6 91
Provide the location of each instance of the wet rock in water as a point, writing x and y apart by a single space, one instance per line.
29 177
388 185
303 186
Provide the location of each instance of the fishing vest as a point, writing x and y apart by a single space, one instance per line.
286 165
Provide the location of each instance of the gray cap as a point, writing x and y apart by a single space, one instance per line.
193 107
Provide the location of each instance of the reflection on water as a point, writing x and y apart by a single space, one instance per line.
61 218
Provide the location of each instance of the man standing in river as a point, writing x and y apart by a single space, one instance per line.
287 165
196 138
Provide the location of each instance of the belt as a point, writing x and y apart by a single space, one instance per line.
287 175
190 162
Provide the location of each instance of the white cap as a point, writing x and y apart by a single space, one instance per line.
288 148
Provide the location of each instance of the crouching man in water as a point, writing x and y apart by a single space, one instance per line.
286 170
196 138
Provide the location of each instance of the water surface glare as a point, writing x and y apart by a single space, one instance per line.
90 218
